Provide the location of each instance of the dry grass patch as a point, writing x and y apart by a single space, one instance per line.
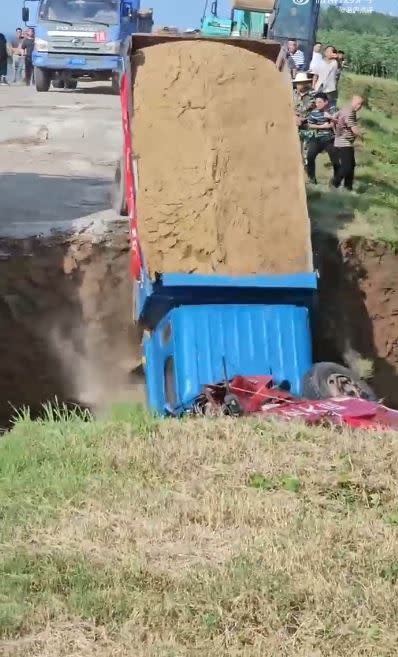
198 538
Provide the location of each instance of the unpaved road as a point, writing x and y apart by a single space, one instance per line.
57 158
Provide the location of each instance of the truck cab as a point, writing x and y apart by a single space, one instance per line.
82 38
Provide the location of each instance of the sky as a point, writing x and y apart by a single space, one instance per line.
181 13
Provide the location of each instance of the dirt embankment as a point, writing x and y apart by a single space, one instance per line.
358 304
66 322
66 318
221 186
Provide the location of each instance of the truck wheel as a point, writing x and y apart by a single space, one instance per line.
329 380
58 84
119 202
71 84
115 84
42 79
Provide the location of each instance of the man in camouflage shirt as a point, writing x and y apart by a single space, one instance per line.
304 103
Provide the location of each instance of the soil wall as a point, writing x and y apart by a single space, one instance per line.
66 322
358 303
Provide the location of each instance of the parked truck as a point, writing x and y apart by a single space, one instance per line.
238 318
82 39
274 19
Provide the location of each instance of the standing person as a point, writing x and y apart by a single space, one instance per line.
17 55
340 65
347 131
296 54
3 59
321 123
291 66
28 45
303 100
317 57
326 74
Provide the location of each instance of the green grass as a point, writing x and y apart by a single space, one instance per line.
129 535
373 213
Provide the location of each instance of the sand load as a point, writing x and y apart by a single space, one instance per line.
221 186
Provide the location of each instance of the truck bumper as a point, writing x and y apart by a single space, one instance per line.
77 62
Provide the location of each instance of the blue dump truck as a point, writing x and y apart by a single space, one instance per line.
82 39
200 329
279 20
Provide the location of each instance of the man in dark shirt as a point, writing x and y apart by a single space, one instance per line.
321 123
27 46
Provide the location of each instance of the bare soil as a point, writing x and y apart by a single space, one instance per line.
358 302
221 187
66 322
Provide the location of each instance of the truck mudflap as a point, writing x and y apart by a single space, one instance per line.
244 396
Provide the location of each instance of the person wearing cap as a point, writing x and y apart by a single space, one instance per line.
321 124
303 99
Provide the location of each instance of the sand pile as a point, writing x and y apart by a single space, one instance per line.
221 186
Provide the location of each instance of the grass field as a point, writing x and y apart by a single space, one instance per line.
129 536
373 212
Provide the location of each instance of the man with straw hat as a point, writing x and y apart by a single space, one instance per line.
303 99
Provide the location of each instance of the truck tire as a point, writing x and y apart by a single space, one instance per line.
58 84
115 83
42 79
71 84
329 380
119 202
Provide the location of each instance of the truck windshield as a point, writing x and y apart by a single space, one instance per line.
74 11
294 19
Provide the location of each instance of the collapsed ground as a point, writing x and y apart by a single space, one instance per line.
65 321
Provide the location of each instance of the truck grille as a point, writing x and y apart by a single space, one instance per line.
62 43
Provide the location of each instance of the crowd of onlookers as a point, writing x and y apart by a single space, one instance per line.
322 126
16 57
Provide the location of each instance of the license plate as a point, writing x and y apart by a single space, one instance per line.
76 61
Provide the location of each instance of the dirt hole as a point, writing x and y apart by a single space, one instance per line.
65 323
66 329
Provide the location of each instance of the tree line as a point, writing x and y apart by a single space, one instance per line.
370 41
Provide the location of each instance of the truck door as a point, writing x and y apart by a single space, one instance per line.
129 17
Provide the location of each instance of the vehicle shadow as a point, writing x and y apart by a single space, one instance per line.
94 90
30 200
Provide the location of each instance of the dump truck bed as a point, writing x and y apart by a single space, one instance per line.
221 188
220 236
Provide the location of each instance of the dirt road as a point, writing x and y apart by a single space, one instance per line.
57 156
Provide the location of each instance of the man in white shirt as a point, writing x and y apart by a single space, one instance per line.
326 75
296 54
317 57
